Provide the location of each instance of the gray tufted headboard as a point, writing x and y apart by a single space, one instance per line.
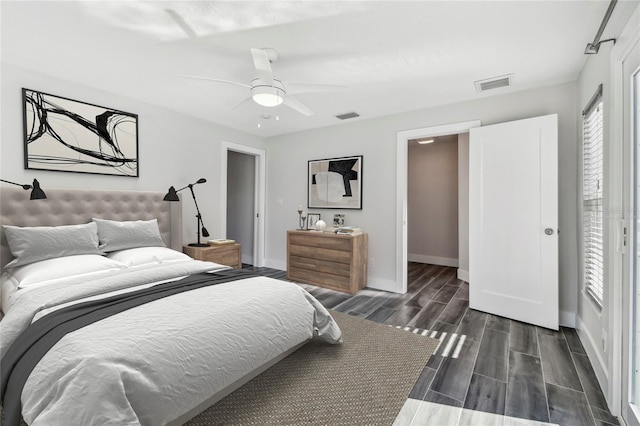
74 206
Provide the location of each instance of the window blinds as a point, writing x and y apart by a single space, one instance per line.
592 188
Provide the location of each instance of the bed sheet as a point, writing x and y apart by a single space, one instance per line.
153 363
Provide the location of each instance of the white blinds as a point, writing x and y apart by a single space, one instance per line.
592 184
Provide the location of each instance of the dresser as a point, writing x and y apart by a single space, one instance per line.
224 254
336 262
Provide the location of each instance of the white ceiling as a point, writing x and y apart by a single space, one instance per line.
393 56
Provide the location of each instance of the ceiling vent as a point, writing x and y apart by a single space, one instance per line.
493 83
348 115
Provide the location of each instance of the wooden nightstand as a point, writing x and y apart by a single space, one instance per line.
224 254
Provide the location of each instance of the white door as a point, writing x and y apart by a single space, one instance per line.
513 220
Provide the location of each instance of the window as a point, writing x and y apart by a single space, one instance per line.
592 186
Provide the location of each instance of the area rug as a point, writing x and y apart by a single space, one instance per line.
364 381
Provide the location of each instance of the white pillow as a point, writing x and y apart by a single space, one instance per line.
146 255
33 244
62 267
119 235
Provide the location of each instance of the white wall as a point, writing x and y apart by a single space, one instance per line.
375 139
432 202
174 149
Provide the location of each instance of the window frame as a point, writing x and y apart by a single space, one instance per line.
593 198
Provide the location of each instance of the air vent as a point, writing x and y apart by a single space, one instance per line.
348 115
493 83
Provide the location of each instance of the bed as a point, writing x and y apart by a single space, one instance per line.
143 335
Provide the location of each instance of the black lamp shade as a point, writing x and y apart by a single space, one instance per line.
37 193
172 195
205 233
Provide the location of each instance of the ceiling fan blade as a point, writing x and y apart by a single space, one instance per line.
263 66
235 83
242 102
309 88
295 104
179 20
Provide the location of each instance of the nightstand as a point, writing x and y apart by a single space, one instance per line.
224 254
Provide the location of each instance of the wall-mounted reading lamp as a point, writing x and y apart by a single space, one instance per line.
36 192
172 195
593 47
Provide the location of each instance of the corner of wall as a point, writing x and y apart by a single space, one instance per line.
568 319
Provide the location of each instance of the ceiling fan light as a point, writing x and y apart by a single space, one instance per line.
267 96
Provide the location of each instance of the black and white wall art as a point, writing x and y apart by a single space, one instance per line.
335 183
65 135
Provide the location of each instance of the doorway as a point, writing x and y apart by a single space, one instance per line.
241 179
243 188
402 146
432 204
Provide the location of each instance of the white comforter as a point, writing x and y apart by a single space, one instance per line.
155 362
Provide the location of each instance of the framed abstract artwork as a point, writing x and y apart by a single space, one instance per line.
335 183
61 134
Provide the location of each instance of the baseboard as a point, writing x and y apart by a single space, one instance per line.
591 347
433 260
463 275
567 319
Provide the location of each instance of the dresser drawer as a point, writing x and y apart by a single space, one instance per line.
330 241
320 253
314 264
323 279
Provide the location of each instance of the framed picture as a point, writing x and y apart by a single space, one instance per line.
65 135
312 218
335 183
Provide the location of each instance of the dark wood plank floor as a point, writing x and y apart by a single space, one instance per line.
484 362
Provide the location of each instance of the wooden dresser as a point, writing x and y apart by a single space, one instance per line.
337 262
224 254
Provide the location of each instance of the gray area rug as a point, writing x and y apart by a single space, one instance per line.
364 381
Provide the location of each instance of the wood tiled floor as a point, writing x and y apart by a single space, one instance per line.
486 365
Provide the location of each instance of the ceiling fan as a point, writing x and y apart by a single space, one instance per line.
267 90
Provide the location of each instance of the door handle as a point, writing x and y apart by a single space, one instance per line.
548 231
